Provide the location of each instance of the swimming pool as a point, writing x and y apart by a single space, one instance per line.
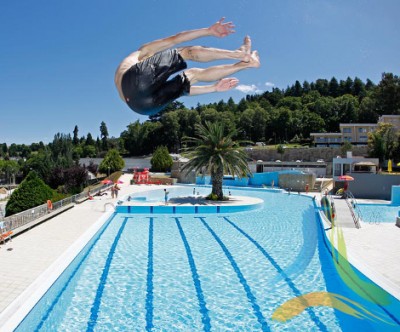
376 213
202 272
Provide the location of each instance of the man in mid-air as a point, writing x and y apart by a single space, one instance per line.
142 78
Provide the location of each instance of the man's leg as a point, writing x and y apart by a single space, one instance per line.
215 73
206 54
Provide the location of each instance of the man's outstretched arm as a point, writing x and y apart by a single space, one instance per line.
218 29
224 84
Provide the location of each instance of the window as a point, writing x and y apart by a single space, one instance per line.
362 130
337 170
347 130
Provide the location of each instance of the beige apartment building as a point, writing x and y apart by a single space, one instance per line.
355 133
394 120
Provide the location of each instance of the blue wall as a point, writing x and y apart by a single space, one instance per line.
396 195
257 180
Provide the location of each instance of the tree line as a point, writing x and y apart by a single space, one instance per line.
274 117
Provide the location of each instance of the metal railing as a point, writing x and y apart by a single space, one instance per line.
352 204
25 217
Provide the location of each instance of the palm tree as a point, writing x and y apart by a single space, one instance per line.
217 153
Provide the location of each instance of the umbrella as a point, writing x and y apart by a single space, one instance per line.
346 178
106 181
398 164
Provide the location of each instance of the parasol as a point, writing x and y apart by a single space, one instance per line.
346 178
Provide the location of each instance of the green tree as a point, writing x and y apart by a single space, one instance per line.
334 89
75 139
171 129
89 151
112 162
8 169
382 142
30 193
367 111
280 149
41 163
347 146
61 150
388 94
4 150
89 140
161 160
104 136
217 153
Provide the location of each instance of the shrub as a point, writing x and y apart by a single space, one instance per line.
112 162
161 160
30 193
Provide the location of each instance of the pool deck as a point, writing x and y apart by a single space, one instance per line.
374 249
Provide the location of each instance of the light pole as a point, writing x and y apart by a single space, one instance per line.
108 171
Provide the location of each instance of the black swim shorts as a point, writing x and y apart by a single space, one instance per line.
146 85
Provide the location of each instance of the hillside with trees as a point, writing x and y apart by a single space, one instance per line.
276 117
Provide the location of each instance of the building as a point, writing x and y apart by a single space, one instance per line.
327 139
351 165
394 120
355 133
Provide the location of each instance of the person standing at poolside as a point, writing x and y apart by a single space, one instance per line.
142 78
166 196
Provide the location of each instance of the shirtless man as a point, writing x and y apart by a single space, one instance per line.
142 77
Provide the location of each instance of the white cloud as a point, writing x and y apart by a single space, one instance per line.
269 85
248 88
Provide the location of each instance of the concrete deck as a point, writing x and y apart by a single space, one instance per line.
374 249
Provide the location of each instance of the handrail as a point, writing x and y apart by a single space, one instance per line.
352 205
25 217
326 185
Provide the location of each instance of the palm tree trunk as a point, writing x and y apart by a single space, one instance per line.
216 180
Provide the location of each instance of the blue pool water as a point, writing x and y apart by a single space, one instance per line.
376 213
194 272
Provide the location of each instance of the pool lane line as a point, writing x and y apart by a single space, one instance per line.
150 266
94 311
290 283
196 279
60 293
242 279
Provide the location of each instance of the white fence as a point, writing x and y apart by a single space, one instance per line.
20 219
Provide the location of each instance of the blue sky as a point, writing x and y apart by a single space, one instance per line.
58 58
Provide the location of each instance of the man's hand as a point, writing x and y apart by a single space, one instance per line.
226 84
221 29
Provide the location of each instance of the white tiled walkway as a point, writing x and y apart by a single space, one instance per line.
374 248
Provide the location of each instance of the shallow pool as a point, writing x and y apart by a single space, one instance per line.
194 272
377 213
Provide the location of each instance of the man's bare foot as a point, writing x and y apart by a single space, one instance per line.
254 60
246 49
